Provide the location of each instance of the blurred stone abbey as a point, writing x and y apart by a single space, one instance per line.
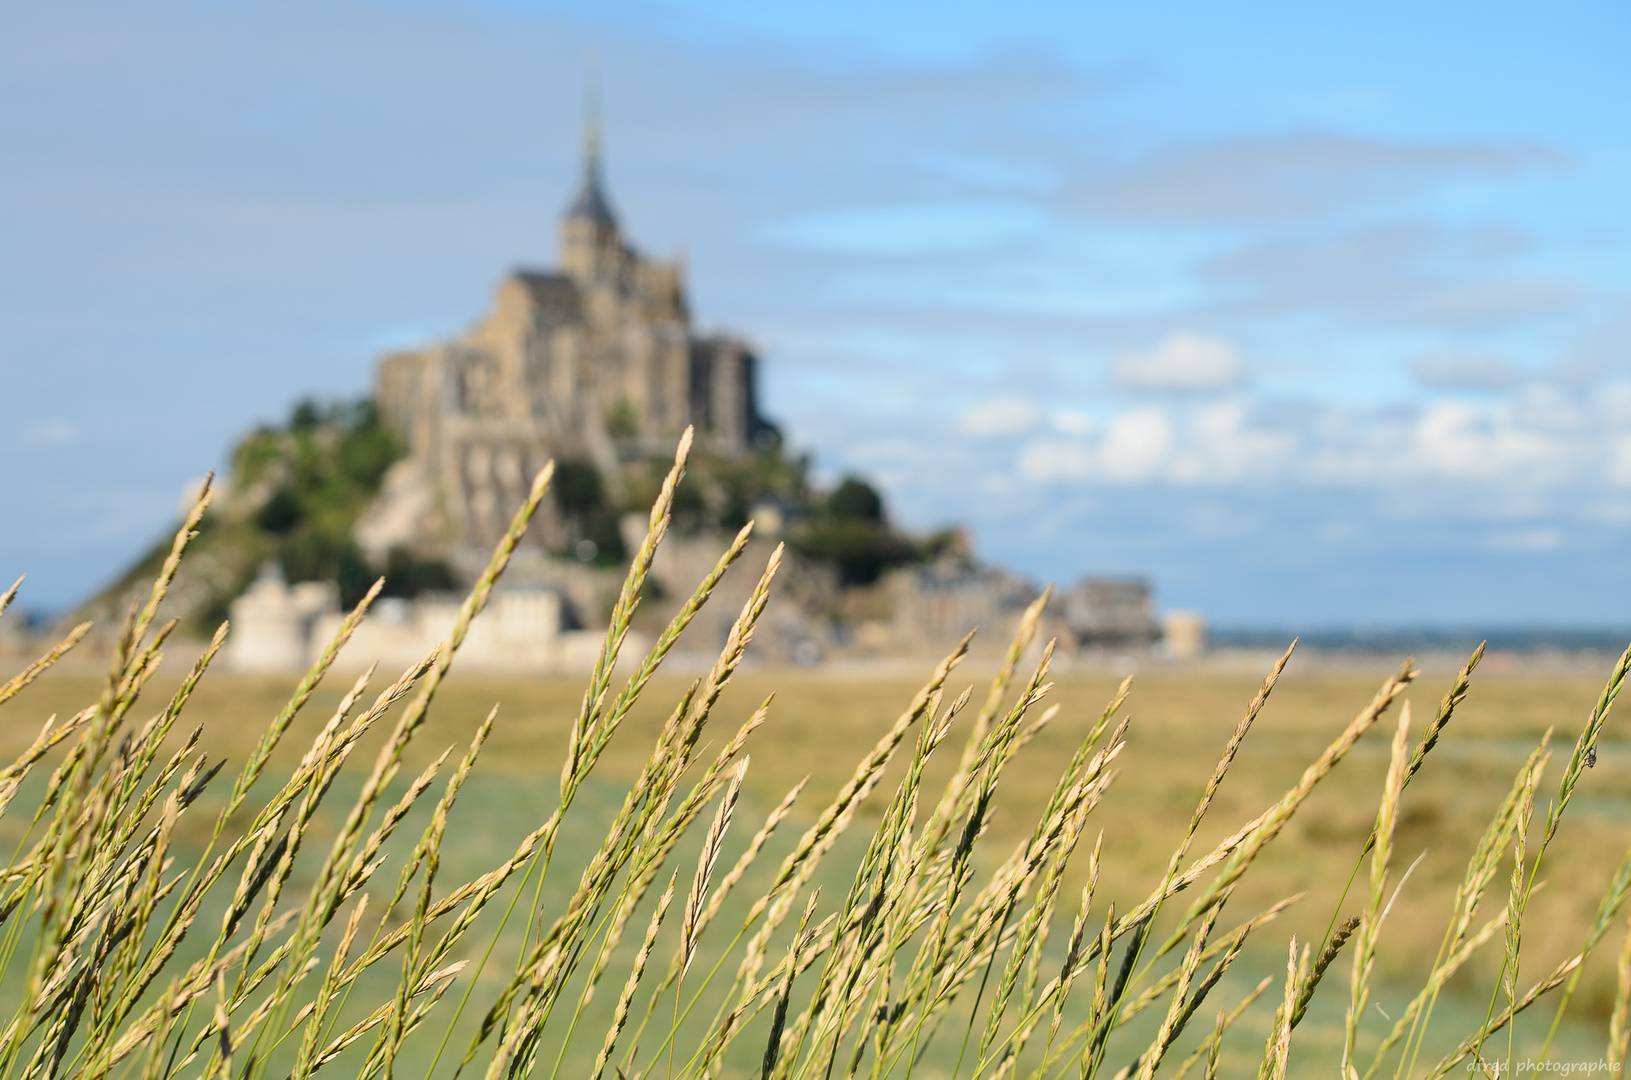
596 365
597 360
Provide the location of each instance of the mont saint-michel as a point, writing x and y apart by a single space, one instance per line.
597 366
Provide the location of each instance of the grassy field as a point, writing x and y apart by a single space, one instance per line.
820 725
948 886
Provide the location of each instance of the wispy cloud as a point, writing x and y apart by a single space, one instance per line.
934 230
1184 362
1296 177
1000 416
1465 371
1404 273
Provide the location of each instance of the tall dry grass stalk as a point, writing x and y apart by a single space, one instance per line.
278 950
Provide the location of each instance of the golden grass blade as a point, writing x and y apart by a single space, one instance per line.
1150 1060
1333 947
773 1044
51 735
620 1015
312 1035
1231 942
1441 719
953 803
435 983
302 693
586 746
1585 744
328 891
736 641
444 807
1619 1025
172 561
636 836
1241 848
747 858
1370 922
686 724
1212 1045
1441 973
1227 758
1481 870
1073 963
629 598
192 985
591 732
1550 982
712 842
1277 1051
864 777
1517 903
34 670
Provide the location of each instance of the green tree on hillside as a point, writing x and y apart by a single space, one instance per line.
850 530
580 495
309 481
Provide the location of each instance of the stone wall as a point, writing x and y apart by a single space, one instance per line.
279 628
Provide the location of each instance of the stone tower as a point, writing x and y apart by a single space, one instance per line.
596 360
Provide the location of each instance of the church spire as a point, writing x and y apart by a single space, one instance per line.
591 204
591 126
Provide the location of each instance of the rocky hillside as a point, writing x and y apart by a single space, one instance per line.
294 493
297 490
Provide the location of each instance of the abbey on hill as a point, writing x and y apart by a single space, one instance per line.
596 366
595 361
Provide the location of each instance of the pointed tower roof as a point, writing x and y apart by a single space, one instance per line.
591 204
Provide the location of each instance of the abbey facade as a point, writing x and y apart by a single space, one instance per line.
597 360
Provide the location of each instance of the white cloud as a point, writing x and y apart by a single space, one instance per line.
1543 538
1184 361
1224 446
1544 448
1619 467
1071 422
1047 460
1000 416
1615 402
1136 445
1551 409
1459 441
1462 371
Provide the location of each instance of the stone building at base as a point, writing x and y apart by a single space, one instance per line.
279 628
272 622
1111 614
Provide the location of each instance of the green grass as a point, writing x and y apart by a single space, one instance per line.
923 913
1179 722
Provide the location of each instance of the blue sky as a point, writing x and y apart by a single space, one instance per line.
1316 314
